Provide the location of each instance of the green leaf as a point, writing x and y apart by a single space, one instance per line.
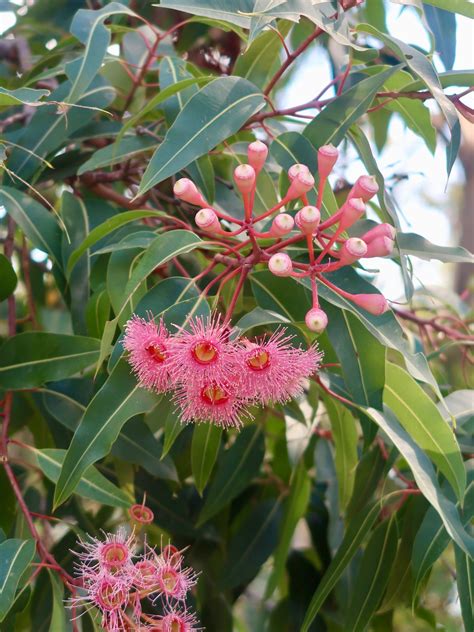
252 544
344 434
172 424
213 114
295 508
331 125
420 417
119 151
203 175
161 250
104 229
8 278
357 529
204 450
88 27
236 468
35 221
33 358
372 577
361 355
443 25
172 71
119 399
15 557
59 618
413 244
465 585
463 7
235 12
425 476
93 484
258 317
21 96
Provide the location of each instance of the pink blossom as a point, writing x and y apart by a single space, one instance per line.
203 355
212 401
275 370
179 621
148 346
112 556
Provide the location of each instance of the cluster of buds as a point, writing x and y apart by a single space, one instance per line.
214 374
329 247
116 580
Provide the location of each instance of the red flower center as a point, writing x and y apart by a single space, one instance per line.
177 625
142 514
214 395
258 360
110 597
169 580
204 352
157 351
114 554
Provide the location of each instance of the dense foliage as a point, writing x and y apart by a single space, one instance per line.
330 494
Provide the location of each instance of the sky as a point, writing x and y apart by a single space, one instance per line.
424 198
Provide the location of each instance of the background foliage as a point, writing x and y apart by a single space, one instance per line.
331 513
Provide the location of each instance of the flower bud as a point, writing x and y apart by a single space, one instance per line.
380 247
295 169
244 178
207 220
282 224
280 264
316 320
186 190
257 153
327 158
307 219
301 184
365 187
373 303
381 230
352 249
351 211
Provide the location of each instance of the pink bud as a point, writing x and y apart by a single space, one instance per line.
257 153
365 187
207 220
316 320
351 211
244 177
327 158
380 247
307 219
295 169
381 230
280 264
186 190
373 303
282 224
301 184
352 249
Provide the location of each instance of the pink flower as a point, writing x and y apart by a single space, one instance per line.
203 355
179 621
173 580
148 345
275 370
211 401
112 556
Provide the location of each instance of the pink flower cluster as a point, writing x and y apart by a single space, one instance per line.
215 375
115 581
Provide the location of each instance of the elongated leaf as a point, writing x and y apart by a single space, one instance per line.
465 585
332 124
33 358
105 229
8 278
117 401
88 27
262 57
413 244
372 577
258 317
209 117
162 249
15 557
253 543
357 530
59 617
237 467
443 25
236 12
38 224
20 96
117 152
420 417
204 449
295 509
93 484
172 71
463 7
425 476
